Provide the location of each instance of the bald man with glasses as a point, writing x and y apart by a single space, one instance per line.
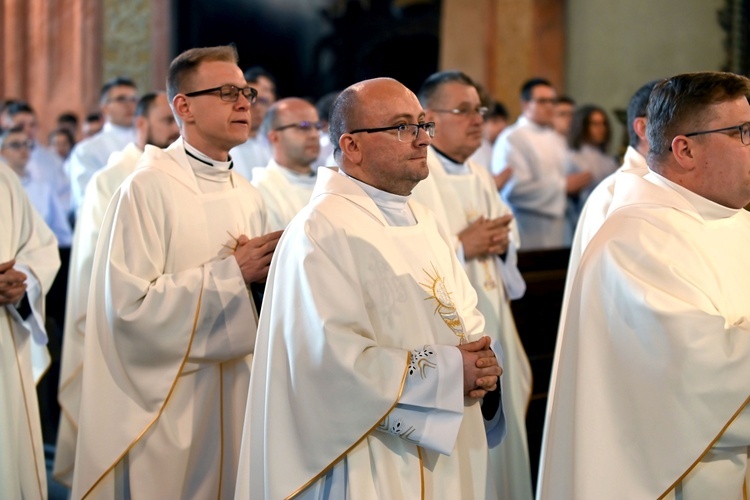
371 360
170 326
292 127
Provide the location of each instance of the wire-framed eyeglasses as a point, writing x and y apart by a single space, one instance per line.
478 110
228 93
303 126
744 130
407 132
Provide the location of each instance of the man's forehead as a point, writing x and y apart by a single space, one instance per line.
543 91
121 89
219 73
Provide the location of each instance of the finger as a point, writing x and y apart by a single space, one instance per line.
477 393
7 265
476 345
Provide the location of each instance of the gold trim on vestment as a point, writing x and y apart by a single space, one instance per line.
329 466
26 404
164 405
708 448
221 427
68 381
421 471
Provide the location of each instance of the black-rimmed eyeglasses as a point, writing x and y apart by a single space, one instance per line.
229 93
479 110
407 132
303 126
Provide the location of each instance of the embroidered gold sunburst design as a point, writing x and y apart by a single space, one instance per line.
445 306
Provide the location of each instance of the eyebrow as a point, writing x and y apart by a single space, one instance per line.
407 117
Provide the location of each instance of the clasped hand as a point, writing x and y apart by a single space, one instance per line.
486 236
12 283
481 369
254 256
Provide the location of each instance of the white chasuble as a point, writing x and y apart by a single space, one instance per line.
465 197
650 390
284 192
98 194
354 307
27 239
170 330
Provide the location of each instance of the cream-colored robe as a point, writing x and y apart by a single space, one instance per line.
170 330
650 391
284 192
99 192
349 297
27 239
461 199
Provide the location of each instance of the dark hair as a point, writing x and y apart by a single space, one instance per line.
184 65
253 73
564 99
69 118
496 110
342 115
93 117
637 109
145 103
63 131
17 107
528 87
678 105
119 81
579 128
436 80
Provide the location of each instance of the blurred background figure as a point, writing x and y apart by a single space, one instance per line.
256 151
588 143
61 142
93 124
565 106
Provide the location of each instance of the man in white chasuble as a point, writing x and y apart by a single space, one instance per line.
486 239
649 395
170 325
371 359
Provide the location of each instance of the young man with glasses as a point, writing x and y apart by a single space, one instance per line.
155 125
15 149
117 101
538 188
486 242
256 151
650 394
286 183
370 362
170 326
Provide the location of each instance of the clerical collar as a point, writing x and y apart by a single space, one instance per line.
708 209
117 129
394 207
450 165
294 177
197 155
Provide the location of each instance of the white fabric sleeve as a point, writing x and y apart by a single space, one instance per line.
35 321
431 407
515 285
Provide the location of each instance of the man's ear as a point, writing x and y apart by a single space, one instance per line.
181 107
639 125
684 152
350 148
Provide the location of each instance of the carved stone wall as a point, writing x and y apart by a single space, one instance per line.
127 40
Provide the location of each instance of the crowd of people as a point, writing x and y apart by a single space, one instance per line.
275 298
